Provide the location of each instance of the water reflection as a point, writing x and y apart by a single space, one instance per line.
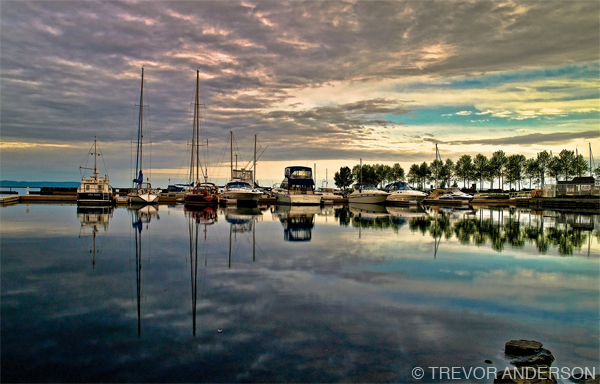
496 226
296 313
198 220
298 221
242 220
92 218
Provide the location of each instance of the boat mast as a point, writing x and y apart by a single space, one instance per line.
138 159
197 123
231 161
254 166
95 156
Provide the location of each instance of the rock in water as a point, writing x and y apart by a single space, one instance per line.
526 375
522 347
543 357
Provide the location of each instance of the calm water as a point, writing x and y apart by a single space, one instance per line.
290 295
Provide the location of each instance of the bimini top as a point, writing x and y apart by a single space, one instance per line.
298 172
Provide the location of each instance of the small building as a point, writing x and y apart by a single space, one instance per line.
579 186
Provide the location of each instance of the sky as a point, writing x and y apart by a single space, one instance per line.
323 83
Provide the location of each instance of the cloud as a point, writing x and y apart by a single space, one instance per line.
529 139
318 70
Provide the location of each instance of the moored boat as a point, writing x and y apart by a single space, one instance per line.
203 193
297 188
94 190
401 193
367 194
142 192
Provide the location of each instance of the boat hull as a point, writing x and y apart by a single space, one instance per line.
94 198
367 198
404 198
194 199
297 199
242 197
142 198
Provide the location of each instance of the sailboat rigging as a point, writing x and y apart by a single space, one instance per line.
203 193
142 192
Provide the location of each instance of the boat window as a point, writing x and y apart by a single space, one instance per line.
238 184
301 174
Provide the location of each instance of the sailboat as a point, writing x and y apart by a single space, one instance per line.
142 192
238 189
94 190
203 193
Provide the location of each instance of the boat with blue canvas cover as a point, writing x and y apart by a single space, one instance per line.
297 188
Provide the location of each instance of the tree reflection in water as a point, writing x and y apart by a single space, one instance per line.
500 227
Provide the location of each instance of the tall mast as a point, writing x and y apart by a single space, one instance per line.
138 159
231 163
254 166
197 123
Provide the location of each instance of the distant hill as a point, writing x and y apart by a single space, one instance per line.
39 184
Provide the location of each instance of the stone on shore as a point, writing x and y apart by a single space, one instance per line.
543 357
525 375
522 347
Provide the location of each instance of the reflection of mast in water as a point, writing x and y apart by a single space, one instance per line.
138 269
242 219
140 216
197 217
93 217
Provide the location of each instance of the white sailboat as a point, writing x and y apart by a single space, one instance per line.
239 189
142 192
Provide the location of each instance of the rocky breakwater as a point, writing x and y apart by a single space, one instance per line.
533 365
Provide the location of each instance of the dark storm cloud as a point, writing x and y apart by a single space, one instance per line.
70 70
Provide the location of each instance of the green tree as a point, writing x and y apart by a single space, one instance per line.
531 170
383 173
580 165
554 168
436 170
365 176
464 168
597 172
566 160
514 169
343 179
447 172
543 160
424 174
413 175
397 173
480 166
497 165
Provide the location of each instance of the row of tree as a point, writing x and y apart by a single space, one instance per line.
513 170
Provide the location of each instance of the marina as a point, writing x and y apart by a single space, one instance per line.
279 293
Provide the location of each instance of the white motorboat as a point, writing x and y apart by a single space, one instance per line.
297 188
367 194
241 191
402 193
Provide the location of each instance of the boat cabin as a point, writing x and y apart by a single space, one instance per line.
298 180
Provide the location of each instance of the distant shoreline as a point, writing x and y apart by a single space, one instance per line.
39 184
